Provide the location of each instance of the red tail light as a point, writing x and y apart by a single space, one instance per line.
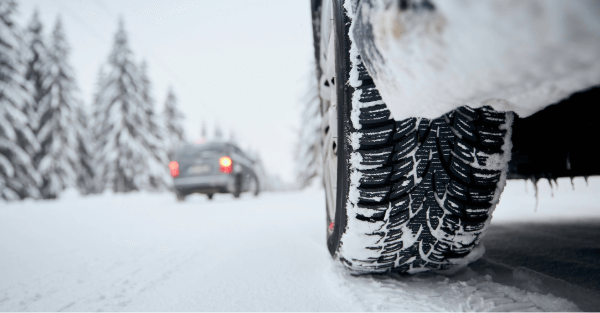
225 165
174 168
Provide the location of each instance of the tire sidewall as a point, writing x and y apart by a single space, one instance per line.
344 105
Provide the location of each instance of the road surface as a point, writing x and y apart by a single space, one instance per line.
148 252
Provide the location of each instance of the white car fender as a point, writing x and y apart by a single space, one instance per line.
430 57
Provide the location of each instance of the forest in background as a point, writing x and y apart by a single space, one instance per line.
50 142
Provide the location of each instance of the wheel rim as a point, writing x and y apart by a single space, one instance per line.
328 94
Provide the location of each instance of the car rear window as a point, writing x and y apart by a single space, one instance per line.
201 151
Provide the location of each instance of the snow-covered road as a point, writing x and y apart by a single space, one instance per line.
147 252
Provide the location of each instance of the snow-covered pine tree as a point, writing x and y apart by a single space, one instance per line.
129 154
218 132
308 149
203 133
173 119
18 177
158 134
59 128
86 183
232 137
36 70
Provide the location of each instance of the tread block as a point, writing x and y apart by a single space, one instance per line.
398 219
454 206
435 213
393 234
393 248
444 136
374 114
369 93
418 194
426 152
473 226
405 127
374 211
376 136
481 195
440 181
490 136
402 187
489 116
400 205
375 157
373 194
464 150
423 128
403 168
484 155
465 127
422 158
479 212
450 224
485 177
441 247
387 258
468 112
436 257
406 254
362 72
406 146
375 176
461 170
458 190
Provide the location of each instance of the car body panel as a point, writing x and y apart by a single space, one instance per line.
430 57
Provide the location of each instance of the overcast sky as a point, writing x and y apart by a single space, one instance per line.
243 64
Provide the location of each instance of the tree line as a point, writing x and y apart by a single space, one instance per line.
49 141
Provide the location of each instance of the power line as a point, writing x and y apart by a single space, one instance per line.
157 59
88 28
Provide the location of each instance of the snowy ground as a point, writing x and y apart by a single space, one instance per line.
147 252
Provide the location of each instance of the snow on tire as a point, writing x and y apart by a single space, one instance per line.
419 193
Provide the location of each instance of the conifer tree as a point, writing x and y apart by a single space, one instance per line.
130 154
308 148
36 69
218 132
18 177
203 133
173 120
232 136
85 172
156 131
59 126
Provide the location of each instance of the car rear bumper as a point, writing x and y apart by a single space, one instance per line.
205 184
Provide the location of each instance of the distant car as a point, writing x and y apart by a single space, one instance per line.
213 167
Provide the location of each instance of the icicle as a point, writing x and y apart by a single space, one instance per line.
572 183
526 186
586 180
535 187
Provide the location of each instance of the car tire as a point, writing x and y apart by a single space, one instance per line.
256 190
237 189
210 196
411 195
180 197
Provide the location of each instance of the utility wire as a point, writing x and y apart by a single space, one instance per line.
157 59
